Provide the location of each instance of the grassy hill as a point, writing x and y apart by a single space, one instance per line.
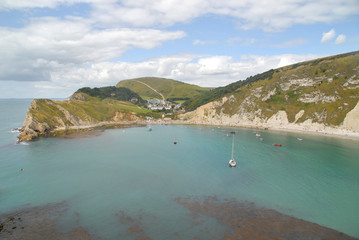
88 109
325 90
170 89
338 67
47 117
217 93
118 93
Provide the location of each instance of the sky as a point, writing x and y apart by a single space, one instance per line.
51 48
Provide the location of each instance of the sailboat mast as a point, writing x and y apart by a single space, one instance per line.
232 145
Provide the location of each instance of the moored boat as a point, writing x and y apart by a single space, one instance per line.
232 162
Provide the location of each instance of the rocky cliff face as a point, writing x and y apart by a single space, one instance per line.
44 116
320 96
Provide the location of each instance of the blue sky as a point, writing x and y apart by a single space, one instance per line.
50 48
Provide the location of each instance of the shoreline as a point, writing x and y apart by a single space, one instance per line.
66 131
80 129
348 135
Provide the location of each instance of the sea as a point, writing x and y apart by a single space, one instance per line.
135 174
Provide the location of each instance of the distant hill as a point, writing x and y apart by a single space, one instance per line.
118 93
321 93
170 89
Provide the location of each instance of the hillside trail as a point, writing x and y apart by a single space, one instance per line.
163 97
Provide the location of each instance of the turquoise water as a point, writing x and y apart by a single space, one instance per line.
139 173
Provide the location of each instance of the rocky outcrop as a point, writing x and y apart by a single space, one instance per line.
318 96
46 117
32 127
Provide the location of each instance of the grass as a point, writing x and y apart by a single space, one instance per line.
92 110
168 87
337 68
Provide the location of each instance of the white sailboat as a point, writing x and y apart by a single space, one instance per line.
232 162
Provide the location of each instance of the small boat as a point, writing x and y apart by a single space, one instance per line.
258 135
232 162
277 144
300 139
149 129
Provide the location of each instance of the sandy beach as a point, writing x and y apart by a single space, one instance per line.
334 133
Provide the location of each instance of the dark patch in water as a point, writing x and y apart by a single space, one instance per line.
247 221
134 225
38 223
82 134
243 220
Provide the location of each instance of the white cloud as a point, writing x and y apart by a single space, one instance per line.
328 36
207 71
42 47
201 70
26 4
201 42
340 39
274 15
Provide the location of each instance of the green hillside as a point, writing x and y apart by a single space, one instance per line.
89 109
324 90
170 89
339 68
217 93
118 93
45 117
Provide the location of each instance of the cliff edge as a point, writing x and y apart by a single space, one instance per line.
46 117
320 96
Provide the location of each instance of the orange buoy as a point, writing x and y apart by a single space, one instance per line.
175 142
21 169
277 144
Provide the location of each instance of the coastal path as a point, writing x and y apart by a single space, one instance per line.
163 97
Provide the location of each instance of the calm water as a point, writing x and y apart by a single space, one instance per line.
139 173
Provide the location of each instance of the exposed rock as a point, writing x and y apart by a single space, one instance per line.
317 96
121 116
296 83
257 92
78 97
270 93
278 119
32 128
322 116
351 121
351 83
298 115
